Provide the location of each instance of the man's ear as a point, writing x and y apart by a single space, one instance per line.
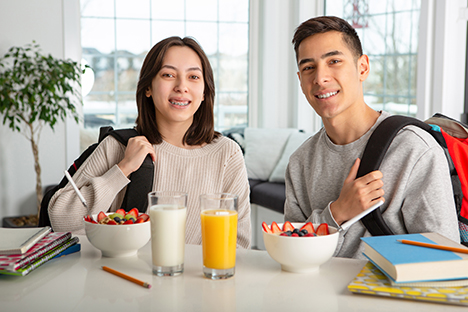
363 67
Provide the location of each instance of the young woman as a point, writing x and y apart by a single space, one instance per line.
175 98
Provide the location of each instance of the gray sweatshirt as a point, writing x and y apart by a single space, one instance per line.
418 191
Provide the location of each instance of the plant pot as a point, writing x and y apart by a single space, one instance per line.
20 222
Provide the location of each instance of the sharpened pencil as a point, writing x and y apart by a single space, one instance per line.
125 276
448 248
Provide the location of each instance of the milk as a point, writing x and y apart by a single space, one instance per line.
168 234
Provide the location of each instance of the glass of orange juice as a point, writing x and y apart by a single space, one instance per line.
219 234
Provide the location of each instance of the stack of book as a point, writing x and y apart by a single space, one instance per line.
401 270
24 250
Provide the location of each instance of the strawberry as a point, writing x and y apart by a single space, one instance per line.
294 235
144 216
275 228
121 211
287 226
112 222
322 229
134 212
139 220
310 235
92 221
129 221
309 227
101 216
266 228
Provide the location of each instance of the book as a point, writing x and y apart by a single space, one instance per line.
50 241
409 263
44 259
19 241
69 251
371 281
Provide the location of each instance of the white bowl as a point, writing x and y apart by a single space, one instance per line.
301 254
118 240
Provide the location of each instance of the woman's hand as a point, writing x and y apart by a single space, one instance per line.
135 153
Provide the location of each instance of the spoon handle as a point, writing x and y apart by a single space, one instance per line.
351 221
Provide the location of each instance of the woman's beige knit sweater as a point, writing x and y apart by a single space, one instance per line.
214 168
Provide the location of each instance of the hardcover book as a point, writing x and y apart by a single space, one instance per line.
409 263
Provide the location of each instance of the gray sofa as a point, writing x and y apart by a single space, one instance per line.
266 154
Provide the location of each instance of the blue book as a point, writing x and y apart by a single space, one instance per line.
404 263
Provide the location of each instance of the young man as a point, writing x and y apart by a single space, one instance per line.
321 184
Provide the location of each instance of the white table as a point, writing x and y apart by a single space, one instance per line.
77 283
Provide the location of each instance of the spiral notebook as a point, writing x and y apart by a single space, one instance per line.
18 241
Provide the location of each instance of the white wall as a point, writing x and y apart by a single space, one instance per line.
21 22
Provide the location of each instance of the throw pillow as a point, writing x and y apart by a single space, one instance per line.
263 148
294 141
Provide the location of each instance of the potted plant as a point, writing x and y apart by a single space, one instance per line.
37 90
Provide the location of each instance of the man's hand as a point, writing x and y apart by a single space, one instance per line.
357 195
135 153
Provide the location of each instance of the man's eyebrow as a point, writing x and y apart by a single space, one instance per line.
328 54
188 69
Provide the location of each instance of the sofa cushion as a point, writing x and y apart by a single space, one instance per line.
268 194
294 141
263 149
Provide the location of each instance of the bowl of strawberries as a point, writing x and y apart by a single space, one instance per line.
300 247
118 234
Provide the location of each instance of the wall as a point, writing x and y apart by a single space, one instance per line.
21 22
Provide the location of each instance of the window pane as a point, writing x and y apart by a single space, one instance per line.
204 34
103 67
233 74
128 69
399 32
133 36
202 10
167 10
101 8
99 110
127 110
233 39
132 9
165 29
98 34
234 11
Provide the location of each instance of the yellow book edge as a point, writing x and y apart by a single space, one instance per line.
371 281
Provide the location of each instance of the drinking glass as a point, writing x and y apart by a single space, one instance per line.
168 214
219 234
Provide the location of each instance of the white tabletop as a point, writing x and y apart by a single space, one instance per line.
77 283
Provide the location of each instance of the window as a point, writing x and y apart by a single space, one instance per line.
389 34
117 34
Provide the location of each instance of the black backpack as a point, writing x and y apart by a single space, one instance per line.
374 153
141 180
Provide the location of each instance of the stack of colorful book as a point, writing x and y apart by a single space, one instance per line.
44 245
399 269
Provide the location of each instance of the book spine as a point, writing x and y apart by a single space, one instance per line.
40 252
48 256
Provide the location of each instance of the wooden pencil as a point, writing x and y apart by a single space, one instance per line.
125 276
454 249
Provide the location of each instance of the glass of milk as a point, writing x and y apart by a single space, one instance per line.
168 213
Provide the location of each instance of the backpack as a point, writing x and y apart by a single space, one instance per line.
141 180
452 137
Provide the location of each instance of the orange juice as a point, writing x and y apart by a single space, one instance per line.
219 235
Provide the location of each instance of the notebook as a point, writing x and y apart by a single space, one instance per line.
371 281
50 241
45 258
409 264
18 241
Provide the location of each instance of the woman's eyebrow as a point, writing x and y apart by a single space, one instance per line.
188 69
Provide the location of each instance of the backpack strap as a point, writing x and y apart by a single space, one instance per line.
373 155
141 180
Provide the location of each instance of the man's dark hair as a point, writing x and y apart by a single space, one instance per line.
323 24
